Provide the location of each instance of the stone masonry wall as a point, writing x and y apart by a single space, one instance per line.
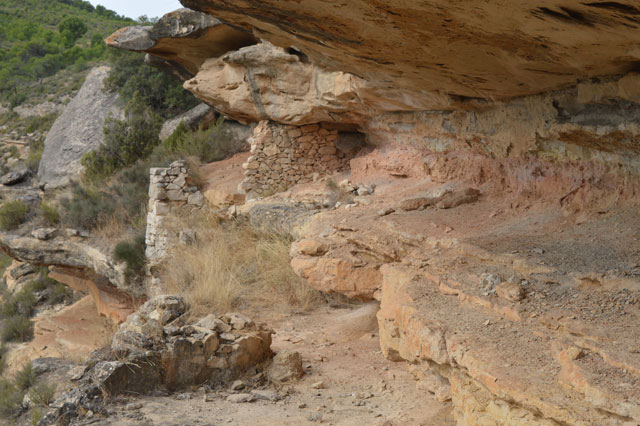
286 155
169 192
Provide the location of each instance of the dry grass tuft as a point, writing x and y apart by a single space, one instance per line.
232 265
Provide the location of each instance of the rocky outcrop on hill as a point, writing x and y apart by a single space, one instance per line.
191 119
77 131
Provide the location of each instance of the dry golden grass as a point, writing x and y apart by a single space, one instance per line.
111 228
232 265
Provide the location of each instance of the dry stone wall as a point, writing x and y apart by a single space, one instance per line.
283 156
169 192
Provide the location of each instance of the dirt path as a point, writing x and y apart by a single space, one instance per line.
339 348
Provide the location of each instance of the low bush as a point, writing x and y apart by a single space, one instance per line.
16 328
50 213
36 416
25 378
125 141
35 154
10 399
42 393
5 261
86 206
21 303
59 294
212 144
12 214
3 361
132 253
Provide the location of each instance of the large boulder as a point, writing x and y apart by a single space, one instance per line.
77 131
191 119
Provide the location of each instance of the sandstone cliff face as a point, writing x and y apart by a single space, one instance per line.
489 49
77 131
495 131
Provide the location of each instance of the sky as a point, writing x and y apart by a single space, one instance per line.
135 8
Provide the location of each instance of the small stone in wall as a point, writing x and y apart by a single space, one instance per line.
196 199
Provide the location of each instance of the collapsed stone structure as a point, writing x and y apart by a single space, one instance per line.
155 349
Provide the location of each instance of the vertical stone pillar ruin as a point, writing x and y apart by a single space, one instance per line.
170 193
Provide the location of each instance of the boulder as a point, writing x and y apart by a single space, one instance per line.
77 130
190 118
286 366
14 177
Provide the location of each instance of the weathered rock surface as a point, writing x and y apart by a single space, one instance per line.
109 301
15 177
77 130
68 254
190 118
185 38
433 52
265 82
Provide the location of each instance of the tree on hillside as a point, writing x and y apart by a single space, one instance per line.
72 29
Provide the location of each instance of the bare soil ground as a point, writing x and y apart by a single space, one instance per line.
340 349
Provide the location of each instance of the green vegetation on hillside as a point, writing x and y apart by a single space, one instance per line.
39 38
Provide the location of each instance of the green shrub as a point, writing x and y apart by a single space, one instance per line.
12 214
212 144
125 141
36 416
3 361
25 378
26 301
50 213
85 206
42 393
132 253
59 294
163 93
21 303
16 328
5 261
35 154
10 399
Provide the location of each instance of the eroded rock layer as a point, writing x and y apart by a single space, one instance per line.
493 210
489 49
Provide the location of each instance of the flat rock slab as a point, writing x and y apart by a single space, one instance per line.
44 233
14 177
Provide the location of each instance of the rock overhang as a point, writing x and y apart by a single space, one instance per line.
183 37
490 49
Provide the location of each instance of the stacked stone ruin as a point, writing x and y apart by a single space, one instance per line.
283 156
170 192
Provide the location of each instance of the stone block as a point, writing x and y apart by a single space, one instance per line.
196 199
176 195
157 193
309 128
